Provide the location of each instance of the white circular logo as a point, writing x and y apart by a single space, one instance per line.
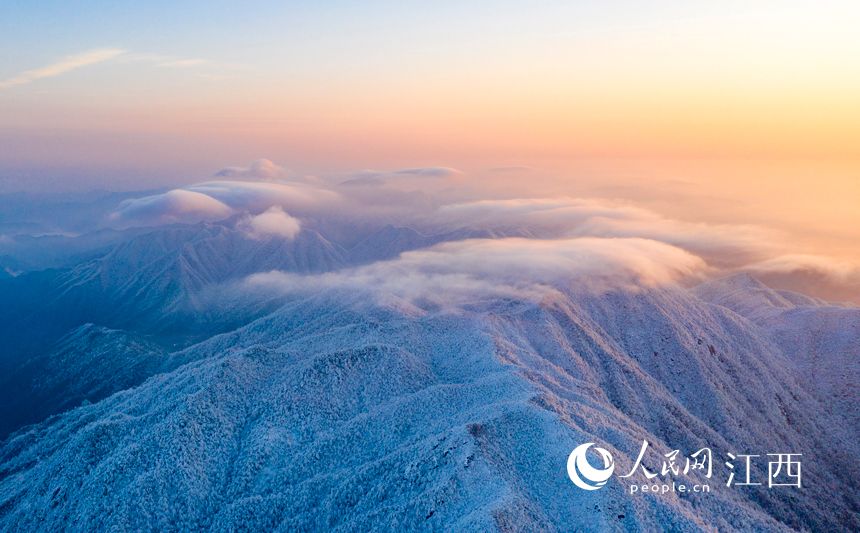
583 474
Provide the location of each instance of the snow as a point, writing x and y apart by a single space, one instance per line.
329 410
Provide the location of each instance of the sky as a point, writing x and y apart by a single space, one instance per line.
732 111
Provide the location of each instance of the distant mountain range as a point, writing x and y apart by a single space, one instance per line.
143 391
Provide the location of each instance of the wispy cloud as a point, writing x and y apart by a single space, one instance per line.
164 61
101 55
67 64
380 177
832 279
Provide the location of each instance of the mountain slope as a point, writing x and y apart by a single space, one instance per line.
150 284
337 413
821 340
88 364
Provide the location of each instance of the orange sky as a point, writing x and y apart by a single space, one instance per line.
740 110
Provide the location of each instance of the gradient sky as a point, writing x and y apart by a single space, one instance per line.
728 111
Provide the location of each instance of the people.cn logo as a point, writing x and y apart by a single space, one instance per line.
583 474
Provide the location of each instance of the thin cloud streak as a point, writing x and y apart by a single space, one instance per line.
68 64
166 61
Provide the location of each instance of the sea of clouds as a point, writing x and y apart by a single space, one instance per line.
537 243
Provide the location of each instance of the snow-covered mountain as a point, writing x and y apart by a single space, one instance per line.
165 270
148 287
150 283
86 365
338 413
821 340
164 396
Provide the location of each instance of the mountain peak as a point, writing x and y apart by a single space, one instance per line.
743 294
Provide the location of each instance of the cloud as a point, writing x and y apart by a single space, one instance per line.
216 200
784 264
377 178
614 244
461 272
258 196
816 275
723 245
261 169
172 207
428 172
167 61
100 55
364 181
273 222
63 66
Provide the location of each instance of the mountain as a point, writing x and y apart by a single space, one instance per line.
164 271
27 253
821 340
336 412
390 241
161 394
160 282
86 365
152 287
749 297
151 284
